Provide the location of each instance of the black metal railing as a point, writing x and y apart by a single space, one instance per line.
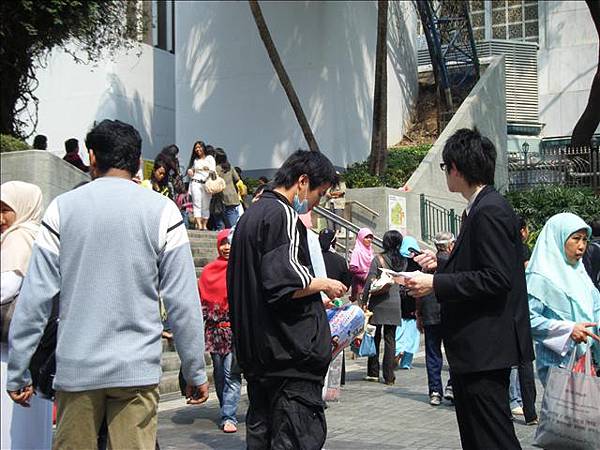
556 165
436 218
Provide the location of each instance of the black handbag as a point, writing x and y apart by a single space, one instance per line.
217 207
43 361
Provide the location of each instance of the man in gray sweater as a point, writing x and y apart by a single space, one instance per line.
108 249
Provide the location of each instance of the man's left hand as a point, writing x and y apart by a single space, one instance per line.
22 396
420 285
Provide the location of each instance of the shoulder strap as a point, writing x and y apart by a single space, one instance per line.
382 261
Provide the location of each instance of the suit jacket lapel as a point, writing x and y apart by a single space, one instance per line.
465 224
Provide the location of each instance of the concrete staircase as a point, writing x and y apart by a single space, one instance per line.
204 250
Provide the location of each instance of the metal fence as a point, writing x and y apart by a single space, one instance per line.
436 218
563 165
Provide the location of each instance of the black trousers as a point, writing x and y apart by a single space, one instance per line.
285 413
528 392
389 351
482 411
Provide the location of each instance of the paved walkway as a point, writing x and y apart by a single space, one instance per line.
368 416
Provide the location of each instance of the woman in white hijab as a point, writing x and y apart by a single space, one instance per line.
20 212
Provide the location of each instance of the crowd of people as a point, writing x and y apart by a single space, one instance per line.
259 308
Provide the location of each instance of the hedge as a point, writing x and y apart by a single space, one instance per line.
537 205
10 143
402 162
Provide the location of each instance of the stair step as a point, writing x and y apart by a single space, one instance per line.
169 382
201 261
170 361
202 234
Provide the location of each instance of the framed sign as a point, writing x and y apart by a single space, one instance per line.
396 213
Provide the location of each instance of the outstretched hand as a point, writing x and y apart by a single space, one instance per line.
427 260
581 333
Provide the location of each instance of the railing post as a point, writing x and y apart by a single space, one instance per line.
453 222
423 218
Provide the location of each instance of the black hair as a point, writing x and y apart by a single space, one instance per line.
521 221
392 241
595 226
221 159
315 165
71 145
264 179
158 163
193 155
116 145
40 142
209 150
238 170
473 155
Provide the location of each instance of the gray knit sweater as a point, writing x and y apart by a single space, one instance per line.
108 249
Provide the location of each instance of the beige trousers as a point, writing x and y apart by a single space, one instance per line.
131 415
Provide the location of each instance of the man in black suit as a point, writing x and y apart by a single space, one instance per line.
483 296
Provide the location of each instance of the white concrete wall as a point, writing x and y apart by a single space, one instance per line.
229 95
567 62
136 88
53 175
484 108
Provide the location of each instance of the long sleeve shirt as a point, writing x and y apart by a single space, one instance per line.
107 249
551 334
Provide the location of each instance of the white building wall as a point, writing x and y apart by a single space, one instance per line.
228 94
567 62
137 87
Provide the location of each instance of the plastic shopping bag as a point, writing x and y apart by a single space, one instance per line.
570 415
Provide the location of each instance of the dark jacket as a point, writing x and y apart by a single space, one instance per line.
386 308
275 335
482 291
591 261
74 159
428 306
337 267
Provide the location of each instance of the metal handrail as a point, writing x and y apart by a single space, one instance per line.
357 203
345 224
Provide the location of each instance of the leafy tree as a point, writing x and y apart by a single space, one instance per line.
30 29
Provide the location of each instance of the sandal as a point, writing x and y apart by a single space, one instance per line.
229 427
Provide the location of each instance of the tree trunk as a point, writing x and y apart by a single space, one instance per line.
590 119
9 94
286 83
378 157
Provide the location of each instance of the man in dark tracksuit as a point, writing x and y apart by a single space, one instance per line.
280 329
483 296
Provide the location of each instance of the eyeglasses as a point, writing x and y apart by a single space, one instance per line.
443 167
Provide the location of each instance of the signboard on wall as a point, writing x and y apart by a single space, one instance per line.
396 213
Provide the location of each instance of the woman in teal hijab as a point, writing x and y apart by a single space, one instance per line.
564 305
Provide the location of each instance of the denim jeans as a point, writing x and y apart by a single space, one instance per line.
228 219
433 358
227 385
522 389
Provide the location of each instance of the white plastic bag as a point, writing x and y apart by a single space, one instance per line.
570 415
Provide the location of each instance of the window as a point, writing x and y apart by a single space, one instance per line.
505 19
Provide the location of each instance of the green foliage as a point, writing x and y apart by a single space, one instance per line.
10 143
539 204
402 162
30 29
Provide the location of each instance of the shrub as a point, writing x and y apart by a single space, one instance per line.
402 162
10 143
539 204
